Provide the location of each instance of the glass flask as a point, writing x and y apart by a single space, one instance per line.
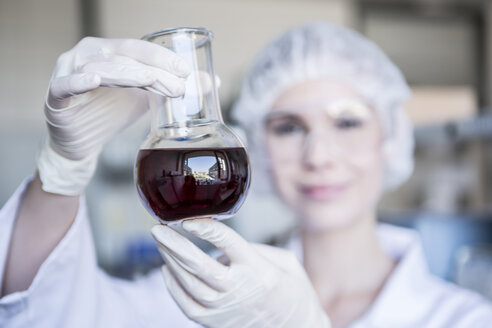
191 164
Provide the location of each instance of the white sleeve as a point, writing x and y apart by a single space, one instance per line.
69 290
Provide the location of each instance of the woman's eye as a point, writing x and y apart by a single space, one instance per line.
348 123
287 128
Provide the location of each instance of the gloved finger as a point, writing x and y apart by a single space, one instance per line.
188 279
223 237
190 257
115 74
71 85
185 302
201 79
193 285
150 54
195 77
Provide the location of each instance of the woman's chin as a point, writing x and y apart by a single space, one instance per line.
326 219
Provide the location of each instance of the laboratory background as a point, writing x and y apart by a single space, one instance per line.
443 47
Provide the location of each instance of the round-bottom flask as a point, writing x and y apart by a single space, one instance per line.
191 164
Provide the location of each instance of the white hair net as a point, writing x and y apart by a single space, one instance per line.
322 50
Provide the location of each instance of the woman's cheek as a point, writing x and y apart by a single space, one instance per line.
284 175
371 169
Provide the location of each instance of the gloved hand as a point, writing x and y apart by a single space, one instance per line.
96 90
262 286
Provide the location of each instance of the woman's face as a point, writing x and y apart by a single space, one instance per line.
324 145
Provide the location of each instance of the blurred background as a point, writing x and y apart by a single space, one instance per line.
444 48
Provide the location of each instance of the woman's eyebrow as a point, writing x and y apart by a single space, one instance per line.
280 114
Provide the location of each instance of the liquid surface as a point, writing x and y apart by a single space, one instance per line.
176 184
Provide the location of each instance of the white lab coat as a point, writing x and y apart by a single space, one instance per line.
69 289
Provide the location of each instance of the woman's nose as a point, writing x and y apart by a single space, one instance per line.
320 151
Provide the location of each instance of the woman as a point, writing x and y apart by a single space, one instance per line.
325 108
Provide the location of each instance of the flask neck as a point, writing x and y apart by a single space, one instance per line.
181 112
200 101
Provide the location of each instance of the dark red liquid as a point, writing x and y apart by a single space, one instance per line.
191 182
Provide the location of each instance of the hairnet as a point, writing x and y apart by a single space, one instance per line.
323 50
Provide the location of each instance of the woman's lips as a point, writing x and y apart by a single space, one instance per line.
323 192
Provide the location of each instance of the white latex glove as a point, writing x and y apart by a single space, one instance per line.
262 286
96 90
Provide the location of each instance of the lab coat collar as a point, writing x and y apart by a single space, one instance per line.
407 294
404 297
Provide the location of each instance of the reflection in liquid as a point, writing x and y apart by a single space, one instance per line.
181 183
206 166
